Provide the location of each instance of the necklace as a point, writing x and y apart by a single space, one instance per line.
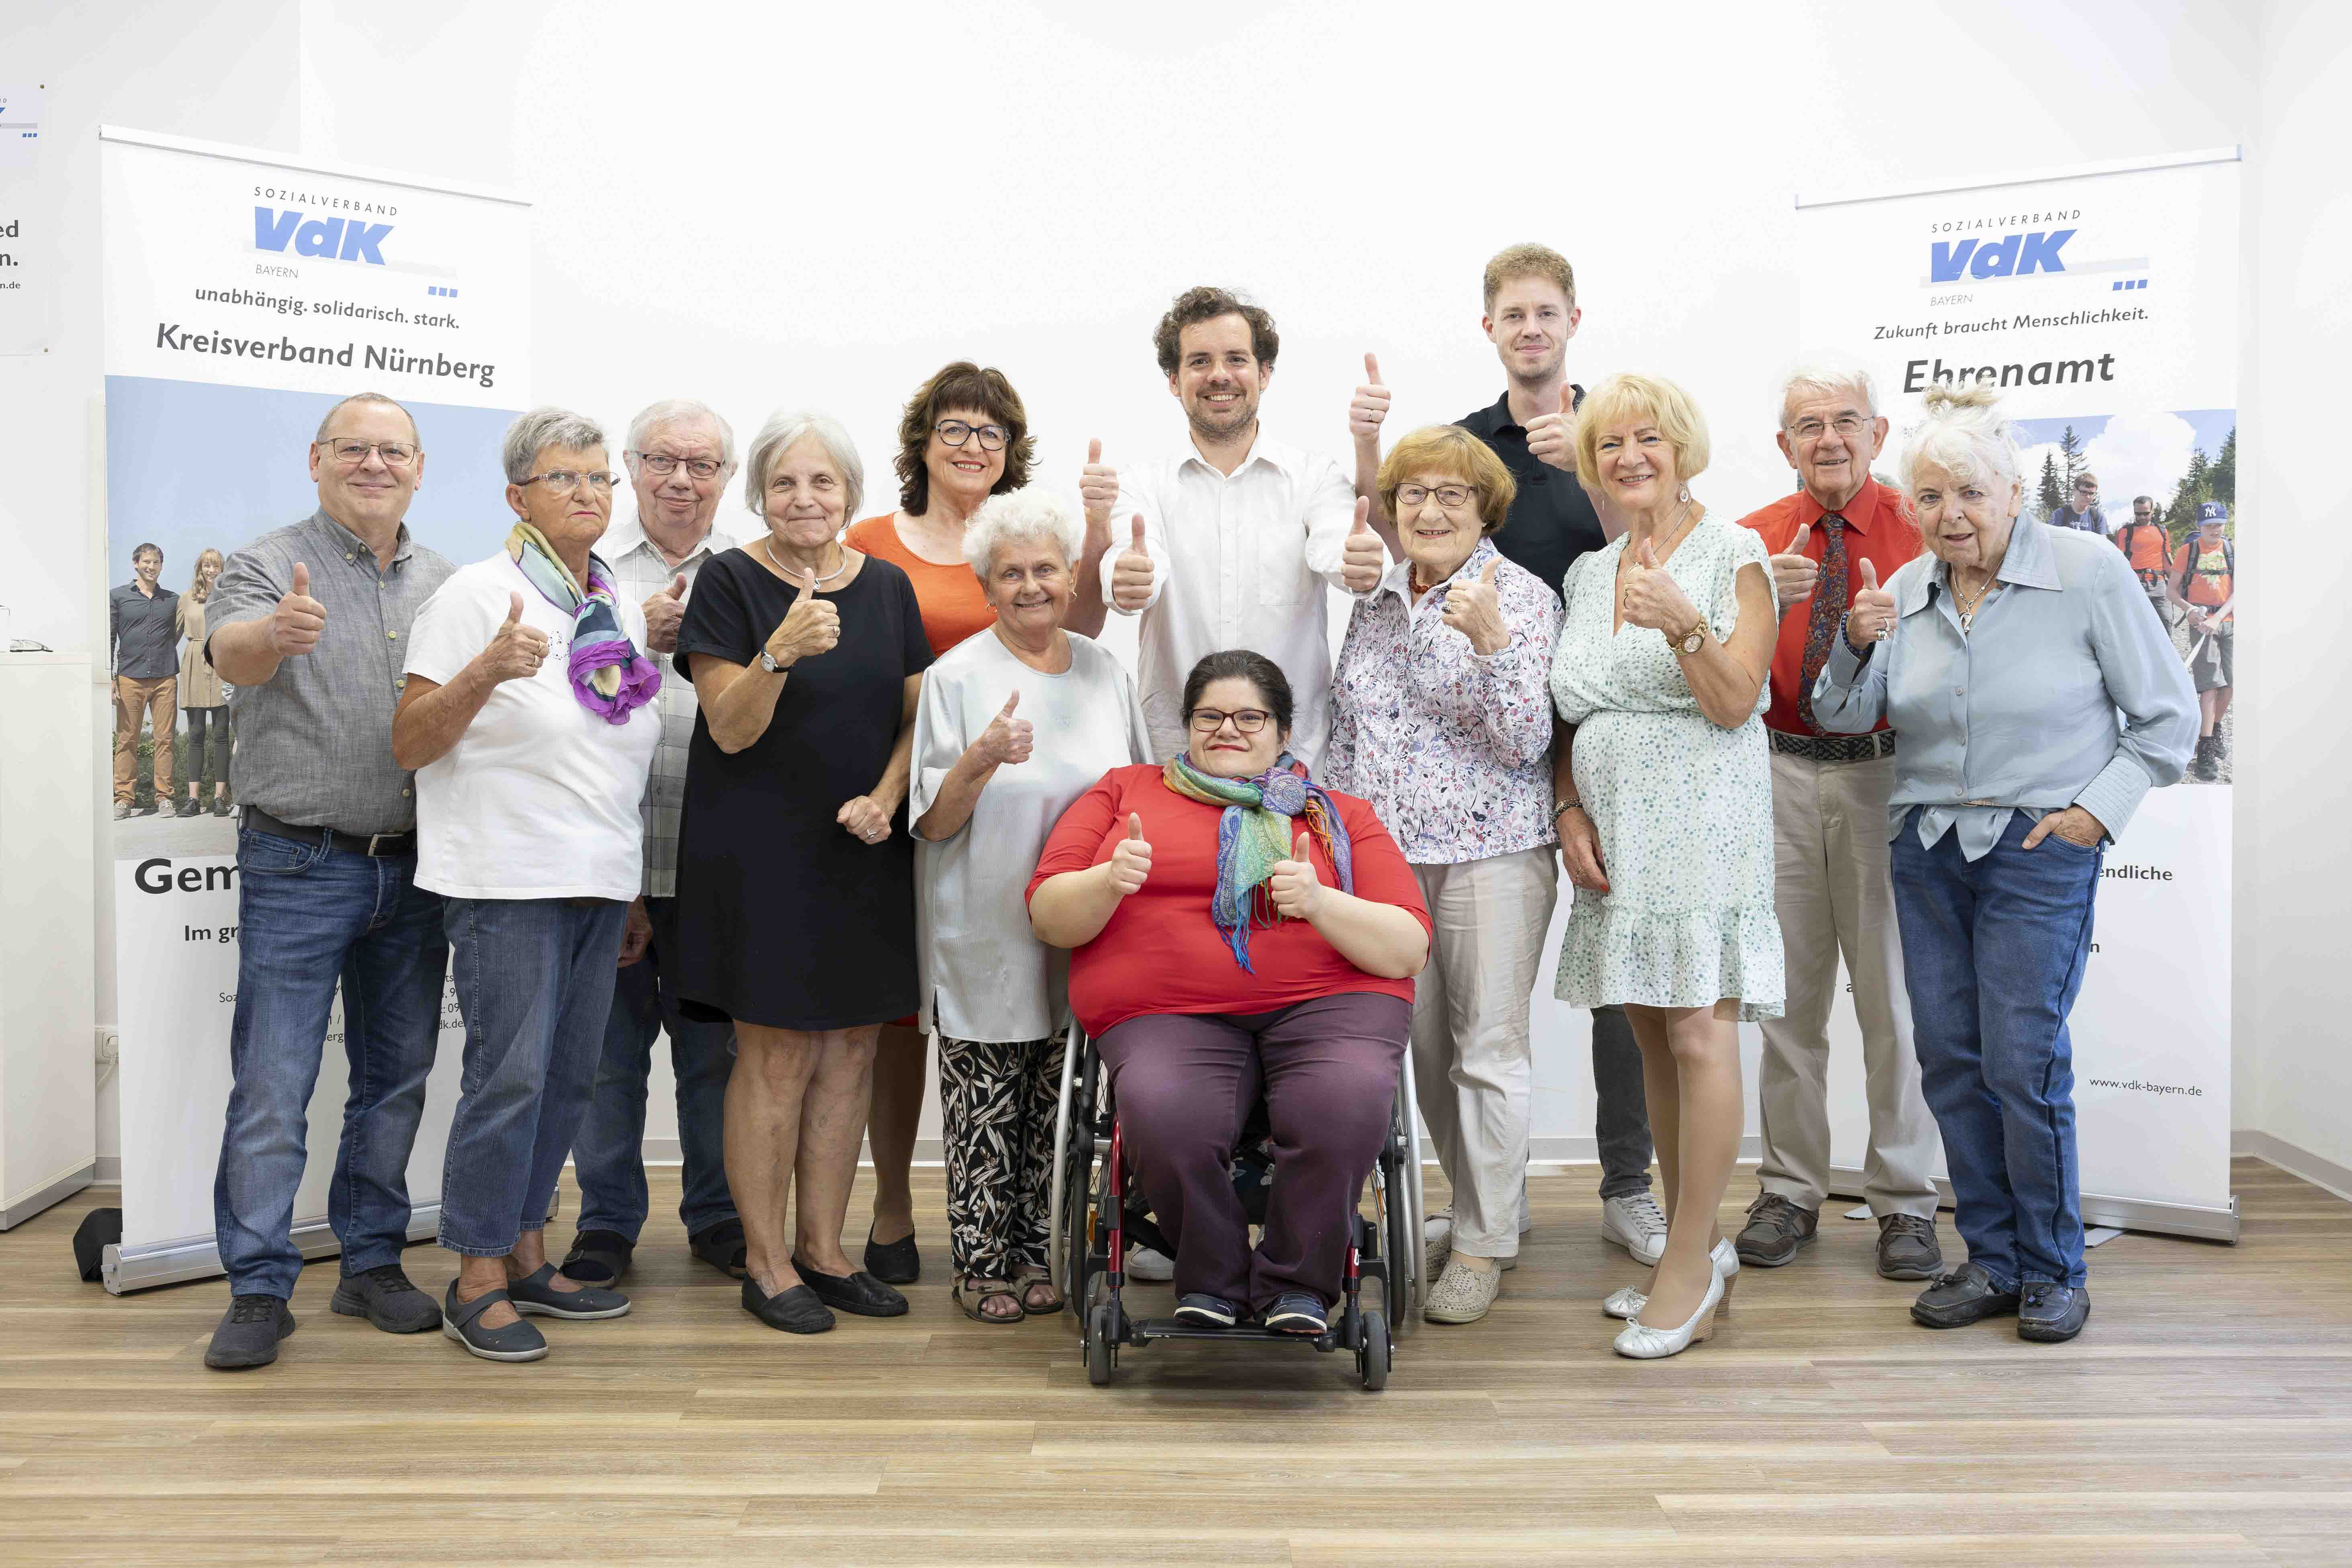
1968 609
769 544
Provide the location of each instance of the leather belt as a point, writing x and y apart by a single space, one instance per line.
382 845
1834 748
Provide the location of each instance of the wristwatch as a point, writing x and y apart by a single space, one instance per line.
768 662
1693 640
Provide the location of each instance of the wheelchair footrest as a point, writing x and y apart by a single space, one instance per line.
1144 1330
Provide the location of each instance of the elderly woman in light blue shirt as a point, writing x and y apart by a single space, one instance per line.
2037 701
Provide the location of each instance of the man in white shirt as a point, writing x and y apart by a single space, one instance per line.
1232 544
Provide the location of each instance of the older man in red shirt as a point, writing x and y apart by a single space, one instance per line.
1829 821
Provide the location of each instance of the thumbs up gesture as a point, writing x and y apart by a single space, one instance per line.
664 607
1098 487
1006 738
1552 437
1794 574
1130 574
811 626
1475 610
295 624
1294 890
1370 405
515 651
1131 861
1872 619
1651 597
1361 558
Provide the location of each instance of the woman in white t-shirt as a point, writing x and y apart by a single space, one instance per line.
527 713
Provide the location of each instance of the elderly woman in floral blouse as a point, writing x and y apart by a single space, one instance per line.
1441 718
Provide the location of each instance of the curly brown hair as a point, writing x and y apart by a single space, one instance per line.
962 384
1207 303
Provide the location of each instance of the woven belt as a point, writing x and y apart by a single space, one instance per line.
1835 747
382 845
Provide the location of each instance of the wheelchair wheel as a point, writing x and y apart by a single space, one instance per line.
1102 1344
1396 1244
1075 1183
1372 1350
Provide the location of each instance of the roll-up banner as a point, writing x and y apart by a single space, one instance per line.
245 294
2103 302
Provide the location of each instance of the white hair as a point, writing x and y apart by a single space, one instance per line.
1031 512
1965 435
779 435
1826 376
536 431
678 410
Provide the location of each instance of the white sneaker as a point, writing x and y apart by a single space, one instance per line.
1146 1264
1463 1294
1637 1224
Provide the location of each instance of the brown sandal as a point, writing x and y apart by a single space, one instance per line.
984 1291
1026 1285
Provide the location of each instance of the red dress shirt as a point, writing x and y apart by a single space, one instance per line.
1879 528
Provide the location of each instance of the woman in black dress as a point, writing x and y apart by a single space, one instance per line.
795 897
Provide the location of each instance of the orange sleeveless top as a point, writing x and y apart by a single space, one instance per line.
952 605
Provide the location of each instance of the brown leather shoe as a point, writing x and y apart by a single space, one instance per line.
1776 1230
1906 1248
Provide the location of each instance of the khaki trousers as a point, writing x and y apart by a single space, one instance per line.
1832 894
1470 1033
158 702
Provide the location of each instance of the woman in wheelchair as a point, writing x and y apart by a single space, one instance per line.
1239 934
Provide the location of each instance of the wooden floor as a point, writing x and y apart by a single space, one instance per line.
2205 1417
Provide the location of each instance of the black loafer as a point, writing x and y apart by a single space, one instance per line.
859 1293
894 1262
1956 1299
535 1295
795 1311
2052 1314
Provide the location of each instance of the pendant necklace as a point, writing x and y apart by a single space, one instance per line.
1969 610
815 582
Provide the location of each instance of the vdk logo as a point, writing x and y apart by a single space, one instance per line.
337 239
2014 255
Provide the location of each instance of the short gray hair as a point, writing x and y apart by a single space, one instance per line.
1965 435
1031 512
1826 377
536 431
677 411
779 435
365 398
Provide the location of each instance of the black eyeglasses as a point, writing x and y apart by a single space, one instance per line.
1249 720
663 464
955 432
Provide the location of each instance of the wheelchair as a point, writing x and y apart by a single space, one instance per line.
1093 1219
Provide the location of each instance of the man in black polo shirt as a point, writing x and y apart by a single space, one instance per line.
1531 315
144 631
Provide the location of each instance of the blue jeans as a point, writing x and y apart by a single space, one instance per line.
1994 952
535 983
309 916
608 1156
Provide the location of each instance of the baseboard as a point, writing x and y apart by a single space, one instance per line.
56 1190
110 1171
2294 1160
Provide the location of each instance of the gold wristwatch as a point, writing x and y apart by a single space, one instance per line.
1692 641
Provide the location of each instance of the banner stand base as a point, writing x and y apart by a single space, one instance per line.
142 1268
2192 1220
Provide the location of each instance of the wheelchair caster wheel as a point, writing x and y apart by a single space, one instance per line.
1372 1350
1102 1349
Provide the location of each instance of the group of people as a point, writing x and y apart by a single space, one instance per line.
155 640
807 797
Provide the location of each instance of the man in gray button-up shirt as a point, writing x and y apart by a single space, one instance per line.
310 624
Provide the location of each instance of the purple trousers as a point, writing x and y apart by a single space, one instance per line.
1185 1082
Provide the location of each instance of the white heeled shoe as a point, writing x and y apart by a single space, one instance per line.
1641 1342
1627 1303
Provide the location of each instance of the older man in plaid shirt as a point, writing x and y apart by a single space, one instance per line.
680 456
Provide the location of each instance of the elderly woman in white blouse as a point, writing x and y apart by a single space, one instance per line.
1441 717
1015 722
2038 702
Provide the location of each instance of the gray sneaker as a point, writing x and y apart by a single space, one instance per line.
248 1333
1776 1230
1906 1248
383 1296
1964 1297
2052 1314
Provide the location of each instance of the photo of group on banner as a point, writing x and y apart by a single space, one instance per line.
161 677
806 788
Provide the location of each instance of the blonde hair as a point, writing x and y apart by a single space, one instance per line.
1450 449
1530 261
198 589
1665 404
1965 435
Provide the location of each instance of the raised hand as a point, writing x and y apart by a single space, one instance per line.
515 650
295 624
1361 559
664 607
811 626
865 818
1130 574
1552 437
1130 862
1475 610
1652 597
1872 619
1098 487
1006 740
1295 891
1370 405
1794 574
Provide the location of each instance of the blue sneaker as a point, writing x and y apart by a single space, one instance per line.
1208 1311
1296 1313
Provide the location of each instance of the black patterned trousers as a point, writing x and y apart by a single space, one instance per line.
997 1104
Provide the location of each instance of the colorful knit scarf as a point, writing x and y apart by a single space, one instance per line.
609 676
1254 832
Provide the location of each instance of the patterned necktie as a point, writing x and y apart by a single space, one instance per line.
1829 595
